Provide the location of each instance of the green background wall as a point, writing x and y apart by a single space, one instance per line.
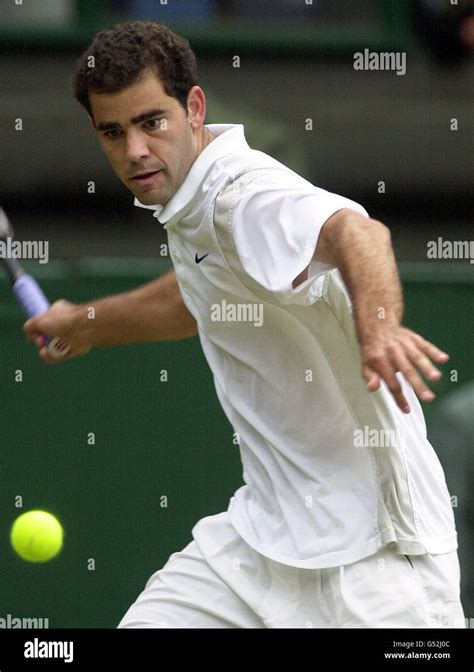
152 439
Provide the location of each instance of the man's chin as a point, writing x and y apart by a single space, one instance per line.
147 200
148 197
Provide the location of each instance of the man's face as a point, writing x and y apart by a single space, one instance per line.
147 137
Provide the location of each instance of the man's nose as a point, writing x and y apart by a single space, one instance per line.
136 148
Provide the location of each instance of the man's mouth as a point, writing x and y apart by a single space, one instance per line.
143 178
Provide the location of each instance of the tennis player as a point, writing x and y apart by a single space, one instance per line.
345 519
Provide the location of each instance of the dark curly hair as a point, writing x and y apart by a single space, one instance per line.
122 53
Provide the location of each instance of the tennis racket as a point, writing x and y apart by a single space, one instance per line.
27 292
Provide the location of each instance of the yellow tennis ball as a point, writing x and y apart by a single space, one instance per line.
36 536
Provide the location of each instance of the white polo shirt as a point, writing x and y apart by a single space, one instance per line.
332 472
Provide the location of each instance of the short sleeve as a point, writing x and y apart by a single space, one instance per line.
276 222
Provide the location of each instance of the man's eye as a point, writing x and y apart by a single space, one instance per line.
152 124
113 134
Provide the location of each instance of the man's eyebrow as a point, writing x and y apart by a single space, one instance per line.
147 115
108 125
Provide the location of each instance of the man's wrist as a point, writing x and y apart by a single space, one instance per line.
367 326
84 322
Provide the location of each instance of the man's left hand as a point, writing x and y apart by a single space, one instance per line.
391 349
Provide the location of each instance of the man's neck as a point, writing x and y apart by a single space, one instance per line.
206 138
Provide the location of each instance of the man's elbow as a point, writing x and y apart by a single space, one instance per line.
346 220
342 228
188 325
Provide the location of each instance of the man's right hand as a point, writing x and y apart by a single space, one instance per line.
152 312
60 320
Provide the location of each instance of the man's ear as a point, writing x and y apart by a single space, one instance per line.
92 123
196 107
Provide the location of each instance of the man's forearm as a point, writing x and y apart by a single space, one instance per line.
152 312
362 250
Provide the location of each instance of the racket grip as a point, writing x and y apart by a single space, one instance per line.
32 299
30 296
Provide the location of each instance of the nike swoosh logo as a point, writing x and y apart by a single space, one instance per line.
199 259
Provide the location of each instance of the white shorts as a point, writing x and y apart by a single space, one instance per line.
218 581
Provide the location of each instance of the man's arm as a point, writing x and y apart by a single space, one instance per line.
152 312
361 249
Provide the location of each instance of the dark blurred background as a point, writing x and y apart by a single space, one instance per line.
402 145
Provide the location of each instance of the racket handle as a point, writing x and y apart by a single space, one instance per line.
31 298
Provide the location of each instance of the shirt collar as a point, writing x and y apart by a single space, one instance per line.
227 138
